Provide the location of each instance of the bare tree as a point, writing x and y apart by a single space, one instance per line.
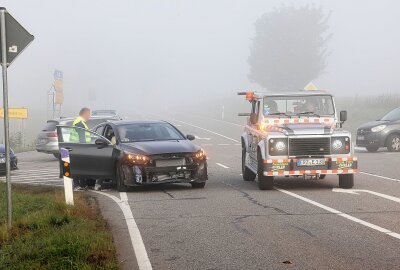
290 47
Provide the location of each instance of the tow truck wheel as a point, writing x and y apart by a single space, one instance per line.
248 175
346 180
120 180
264 182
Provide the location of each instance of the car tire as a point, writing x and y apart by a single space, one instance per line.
393 143
120 180
372 148
346 180
264 182
248 175
198 184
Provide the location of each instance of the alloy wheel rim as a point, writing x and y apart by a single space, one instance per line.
396 143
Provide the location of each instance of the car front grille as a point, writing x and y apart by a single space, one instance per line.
309 146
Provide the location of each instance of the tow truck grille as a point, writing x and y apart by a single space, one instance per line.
309 146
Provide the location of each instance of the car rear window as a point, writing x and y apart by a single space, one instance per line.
50 126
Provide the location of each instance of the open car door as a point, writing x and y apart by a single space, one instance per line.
91 155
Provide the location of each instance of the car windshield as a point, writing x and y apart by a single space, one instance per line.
139 132
313 105
392 115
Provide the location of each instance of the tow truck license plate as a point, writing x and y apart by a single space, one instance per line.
311 162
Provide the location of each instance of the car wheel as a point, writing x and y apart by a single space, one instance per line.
120 180
346 180
198 184
264 182
372 148
393 143
248 175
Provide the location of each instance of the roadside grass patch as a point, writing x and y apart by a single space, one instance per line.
47 234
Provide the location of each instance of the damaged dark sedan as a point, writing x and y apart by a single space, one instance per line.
134 153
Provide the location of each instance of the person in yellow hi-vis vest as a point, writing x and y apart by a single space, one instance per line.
81 136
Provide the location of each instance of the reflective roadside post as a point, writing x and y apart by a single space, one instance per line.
13 40
68 181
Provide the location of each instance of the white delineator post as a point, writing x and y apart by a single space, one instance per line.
68 181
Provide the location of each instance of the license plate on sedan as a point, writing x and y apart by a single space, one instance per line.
170 162
311 162
360 137
2 160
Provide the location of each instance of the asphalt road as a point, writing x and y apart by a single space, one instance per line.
231 224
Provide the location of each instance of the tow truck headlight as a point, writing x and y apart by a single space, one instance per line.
340 145
278 147
378 128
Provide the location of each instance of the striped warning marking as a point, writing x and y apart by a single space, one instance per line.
36 177
301 172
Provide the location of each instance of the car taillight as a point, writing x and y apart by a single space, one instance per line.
52 134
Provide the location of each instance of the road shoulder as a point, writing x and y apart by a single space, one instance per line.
116 221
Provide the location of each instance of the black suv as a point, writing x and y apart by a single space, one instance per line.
381 133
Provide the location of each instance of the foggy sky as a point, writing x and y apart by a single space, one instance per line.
158 53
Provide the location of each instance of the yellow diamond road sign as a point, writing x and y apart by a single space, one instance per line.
310 87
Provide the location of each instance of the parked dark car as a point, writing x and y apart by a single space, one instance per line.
13 162
135 153
381 133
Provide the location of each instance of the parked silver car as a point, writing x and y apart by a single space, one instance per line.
47 141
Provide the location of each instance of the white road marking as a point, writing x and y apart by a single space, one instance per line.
380 176
355 191
222 165
223 136
199 138
337 212
223 144
136 238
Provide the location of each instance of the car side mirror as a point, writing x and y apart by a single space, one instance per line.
343 116
190 137
253 118
100 142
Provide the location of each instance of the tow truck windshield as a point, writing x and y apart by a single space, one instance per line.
148 132
310 105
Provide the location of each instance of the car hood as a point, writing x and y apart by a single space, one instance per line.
373 124
160 147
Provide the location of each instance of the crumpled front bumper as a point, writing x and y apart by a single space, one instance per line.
333 165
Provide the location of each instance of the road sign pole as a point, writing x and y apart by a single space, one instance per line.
6 120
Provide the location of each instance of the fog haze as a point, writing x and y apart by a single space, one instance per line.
160 53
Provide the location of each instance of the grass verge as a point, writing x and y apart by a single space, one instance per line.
47 234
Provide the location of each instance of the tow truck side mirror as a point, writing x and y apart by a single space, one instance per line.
343 116
253 118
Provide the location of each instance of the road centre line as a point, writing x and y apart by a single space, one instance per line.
380 176
222 165
136 238
337 212
355 191
226 137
